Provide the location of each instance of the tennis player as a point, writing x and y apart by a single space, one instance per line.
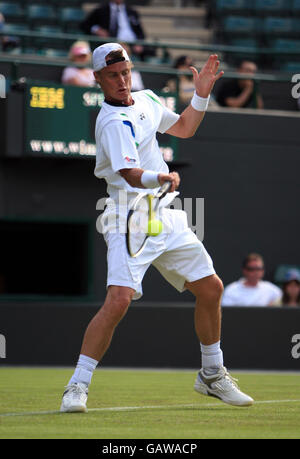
129 159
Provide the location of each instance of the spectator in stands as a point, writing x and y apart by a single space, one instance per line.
243 93
80 53
116 20
251 290
291 289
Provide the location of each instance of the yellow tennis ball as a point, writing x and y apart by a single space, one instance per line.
155 227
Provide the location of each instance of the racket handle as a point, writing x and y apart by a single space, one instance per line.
150 203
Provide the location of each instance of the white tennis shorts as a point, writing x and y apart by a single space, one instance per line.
177 254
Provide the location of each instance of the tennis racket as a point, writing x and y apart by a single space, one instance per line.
141 213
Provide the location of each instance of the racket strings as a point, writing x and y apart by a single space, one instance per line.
138 226
144 210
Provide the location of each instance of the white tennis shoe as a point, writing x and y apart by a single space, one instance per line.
223 386
74 399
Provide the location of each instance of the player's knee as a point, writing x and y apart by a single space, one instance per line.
119 301
219 287
215 292
208 289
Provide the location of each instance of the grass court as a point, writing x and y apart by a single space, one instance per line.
146 404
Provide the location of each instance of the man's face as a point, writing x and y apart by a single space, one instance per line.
254 271
117 2
248 67
115 81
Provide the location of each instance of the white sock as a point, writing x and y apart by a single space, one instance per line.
84 370
212 357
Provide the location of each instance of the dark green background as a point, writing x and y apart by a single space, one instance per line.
73 123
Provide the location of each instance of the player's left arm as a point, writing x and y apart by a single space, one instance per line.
204 81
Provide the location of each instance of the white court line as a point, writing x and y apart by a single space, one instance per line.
146 407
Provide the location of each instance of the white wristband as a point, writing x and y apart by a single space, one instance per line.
199 103
150 179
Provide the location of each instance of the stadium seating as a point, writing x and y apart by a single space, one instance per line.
291 67
259 23
272 6
70 18
226 6
48 29
13 12
250 44
71 14
43 14
240 25
42 42
64 14
50 52
289 61
278 26
296 7
245 23
14 28
280 44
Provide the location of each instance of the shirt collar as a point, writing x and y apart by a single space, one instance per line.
115 104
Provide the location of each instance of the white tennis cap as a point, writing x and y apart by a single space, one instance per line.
102 51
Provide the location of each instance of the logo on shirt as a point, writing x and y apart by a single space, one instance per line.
130 160
142 116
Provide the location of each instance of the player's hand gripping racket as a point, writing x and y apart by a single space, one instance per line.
141 221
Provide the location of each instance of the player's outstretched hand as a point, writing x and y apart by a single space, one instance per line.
204 80
172 177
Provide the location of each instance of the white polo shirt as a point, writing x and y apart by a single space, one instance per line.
263 294
126 139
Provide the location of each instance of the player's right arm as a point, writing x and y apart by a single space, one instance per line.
134 178
118 142
204 81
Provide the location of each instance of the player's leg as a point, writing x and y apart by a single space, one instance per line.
207 319
213 378
208 293
185 264
96 341
100 330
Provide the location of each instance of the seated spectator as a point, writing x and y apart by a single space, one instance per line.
80 53
251 290
119 21
291 289
243 93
